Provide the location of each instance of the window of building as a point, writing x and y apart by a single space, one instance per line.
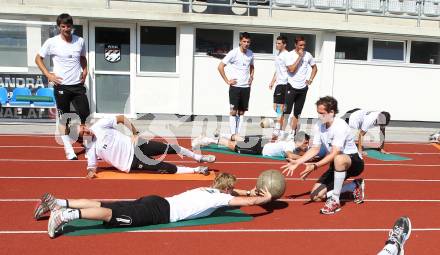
388 50
158 49
310 41
425 52
262 43
13 46
353 48
214 40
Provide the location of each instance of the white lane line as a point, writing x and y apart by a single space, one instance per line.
286 230
239 178
293 200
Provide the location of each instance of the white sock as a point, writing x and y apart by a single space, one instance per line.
70 214
185 170
330 193
232 124
61 202
389 249
338 182
348 187
239 124
187 153
277 125
67 145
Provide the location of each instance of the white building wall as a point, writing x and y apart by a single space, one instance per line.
407 92
156 94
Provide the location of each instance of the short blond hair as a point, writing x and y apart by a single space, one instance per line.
224 181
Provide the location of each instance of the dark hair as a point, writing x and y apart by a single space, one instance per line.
299 38
348 114
245 35
383 118
64 18
282 38
329 103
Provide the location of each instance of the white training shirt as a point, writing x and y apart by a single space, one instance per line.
281 68
196 203
298 79
66 57
338 135
363 120
110 145
278 149
239 66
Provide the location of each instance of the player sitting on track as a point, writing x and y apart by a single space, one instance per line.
135 153
258 145
397 237
363 120
343 157
151 210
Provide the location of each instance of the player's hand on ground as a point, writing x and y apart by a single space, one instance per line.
254 192
309 168
289 168
91 174
232 82
51 77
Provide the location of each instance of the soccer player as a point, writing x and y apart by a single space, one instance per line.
241 62
343 158
151 210
69 74
126 153
363 120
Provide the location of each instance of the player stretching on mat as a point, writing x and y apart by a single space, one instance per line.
363 120
343 157
151 210
135 153
69 74
241 62
258 145
280 81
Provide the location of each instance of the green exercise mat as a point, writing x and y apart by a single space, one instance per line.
93 227
384 157
226 150
34 98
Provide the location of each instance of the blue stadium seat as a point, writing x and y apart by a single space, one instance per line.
20 92
3 96
48 92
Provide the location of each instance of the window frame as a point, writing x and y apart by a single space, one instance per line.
405 50
138 50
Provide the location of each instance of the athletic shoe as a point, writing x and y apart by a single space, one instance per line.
71 156
202 170
331 206
47 203
207 159
201 141
434 137
359 191
56 222
275 134
400 233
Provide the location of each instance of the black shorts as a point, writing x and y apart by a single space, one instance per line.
239 98
149 210
75 94
279 95
295 99
251 145
145 151
356 168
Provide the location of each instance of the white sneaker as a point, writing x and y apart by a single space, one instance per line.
202 170
71 156
207 159
56 222
201 141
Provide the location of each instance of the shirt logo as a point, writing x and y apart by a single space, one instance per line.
104 146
